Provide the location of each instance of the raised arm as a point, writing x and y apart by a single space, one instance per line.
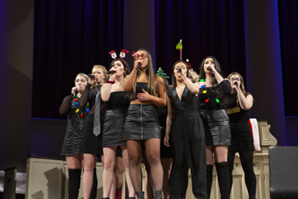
225 87
169 123
65 106
85 96
130 79
244 102
106 92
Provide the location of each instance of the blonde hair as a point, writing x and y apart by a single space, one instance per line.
104 70
194 75
83 75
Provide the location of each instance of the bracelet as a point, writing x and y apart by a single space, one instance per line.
110 82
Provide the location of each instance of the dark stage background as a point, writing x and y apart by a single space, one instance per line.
72 36
50 41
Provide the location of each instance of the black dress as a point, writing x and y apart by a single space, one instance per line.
213 111
165 152
188 144
73 140
242 139
116 110
92 144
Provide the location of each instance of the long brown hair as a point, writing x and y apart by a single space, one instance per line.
174 82
152 77
104 70
242 87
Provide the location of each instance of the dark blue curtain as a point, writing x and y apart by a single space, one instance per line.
207 27
288 23
70 37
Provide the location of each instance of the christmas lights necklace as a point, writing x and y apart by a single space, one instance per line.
205 91
80 110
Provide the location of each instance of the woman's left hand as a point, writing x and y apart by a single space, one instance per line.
145 96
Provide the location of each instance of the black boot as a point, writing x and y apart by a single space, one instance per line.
223 179
209 170
158 194
94 186
74 181
130 198
140 195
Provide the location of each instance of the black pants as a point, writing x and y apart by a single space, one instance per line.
198 168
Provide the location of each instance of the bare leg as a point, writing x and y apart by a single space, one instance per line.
153 156
119 169
135 158
108 172
131 191
89 165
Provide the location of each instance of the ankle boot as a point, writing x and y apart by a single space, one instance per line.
74 181
158 194
130 198
118 194
140 195
94 186
222 169
209 170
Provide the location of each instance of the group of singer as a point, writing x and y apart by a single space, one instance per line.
129 117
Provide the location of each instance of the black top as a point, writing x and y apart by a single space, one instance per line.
213 97
236 113
118 99
187 120
140 86
89 96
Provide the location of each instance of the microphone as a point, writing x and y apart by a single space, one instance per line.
91 76
111 72
139 65
208 68
236 83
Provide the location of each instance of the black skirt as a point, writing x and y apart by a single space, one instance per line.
216 126
141 122
241 137
92 144
113 127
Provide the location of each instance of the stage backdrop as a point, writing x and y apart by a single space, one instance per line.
72 36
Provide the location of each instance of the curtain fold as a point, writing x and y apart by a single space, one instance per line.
288 23
70 37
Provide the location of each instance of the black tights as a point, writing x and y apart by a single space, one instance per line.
246 158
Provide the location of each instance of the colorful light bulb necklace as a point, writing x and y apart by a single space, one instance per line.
206 92
80 110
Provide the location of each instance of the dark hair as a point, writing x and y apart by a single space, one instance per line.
174 83
126 67
217 67
214 81
153 80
